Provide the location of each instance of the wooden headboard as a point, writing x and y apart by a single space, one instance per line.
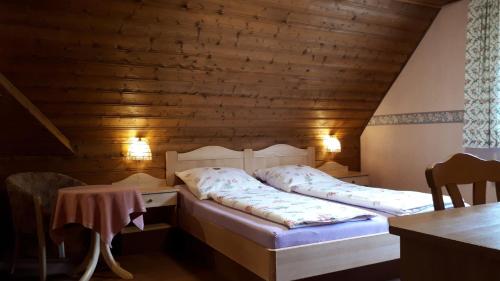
248 159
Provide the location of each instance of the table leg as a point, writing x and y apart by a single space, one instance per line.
83 265
91 260
110 261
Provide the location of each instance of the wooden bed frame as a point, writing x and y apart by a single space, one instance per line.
276 264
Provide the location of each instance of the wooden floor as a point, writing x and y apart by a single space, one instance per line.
160 266
145 267
156 266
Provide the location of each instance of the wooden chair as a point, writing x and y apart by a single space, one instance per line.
32 197
462 168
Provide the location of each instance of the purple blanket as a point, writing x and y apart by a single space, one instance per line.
269 234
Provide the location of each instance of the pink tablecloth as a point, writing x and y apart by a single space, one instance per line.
105 209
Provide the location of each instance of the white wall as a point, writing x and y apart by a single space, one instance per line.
433 80
434 77
397 156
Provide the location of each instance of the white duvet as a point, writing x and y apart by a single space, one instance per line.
394 202
291 210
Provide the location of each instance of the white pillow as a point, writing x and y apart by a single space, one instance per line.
202 181
286 177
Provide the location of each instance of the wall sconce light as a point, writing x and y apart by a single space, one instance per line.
139 150
332 144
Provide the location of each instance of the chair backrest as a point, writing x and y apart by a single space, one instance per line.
23 187
461 169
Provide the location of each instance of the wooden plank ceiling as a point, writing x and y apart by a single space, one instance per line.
184 73
428 3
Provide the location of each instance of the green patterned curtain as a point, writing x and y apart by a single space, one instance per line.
482 71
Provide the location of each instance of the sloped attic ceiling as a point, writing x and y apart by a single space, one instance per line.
187 73
429 3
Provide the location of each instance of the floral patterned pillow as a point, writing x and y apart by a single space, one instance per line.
286 177
202 181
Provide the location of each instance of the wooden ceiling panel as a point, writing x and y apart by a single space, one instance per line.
428 3
188 73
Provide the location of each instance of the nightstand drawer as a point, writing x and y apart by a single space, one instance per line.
152 200
363 180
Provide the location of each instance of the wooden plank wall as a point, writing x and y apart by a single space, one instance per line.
15 106
189 73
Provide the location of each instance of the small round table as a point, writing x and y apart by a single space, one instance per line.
104 209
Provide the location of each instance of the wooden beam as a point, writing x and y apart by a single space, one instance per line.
35 112
431 4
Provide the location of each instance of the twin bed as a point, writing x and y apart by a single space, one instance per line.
271 250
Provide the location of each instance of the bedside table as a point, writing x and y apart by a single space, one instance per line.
358 178
159 196
342 172
154 197
155 193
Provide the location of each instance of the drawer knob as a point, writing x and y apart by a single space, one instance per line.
149 201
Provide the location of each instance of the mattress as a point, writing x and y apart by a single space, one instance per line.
272 235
